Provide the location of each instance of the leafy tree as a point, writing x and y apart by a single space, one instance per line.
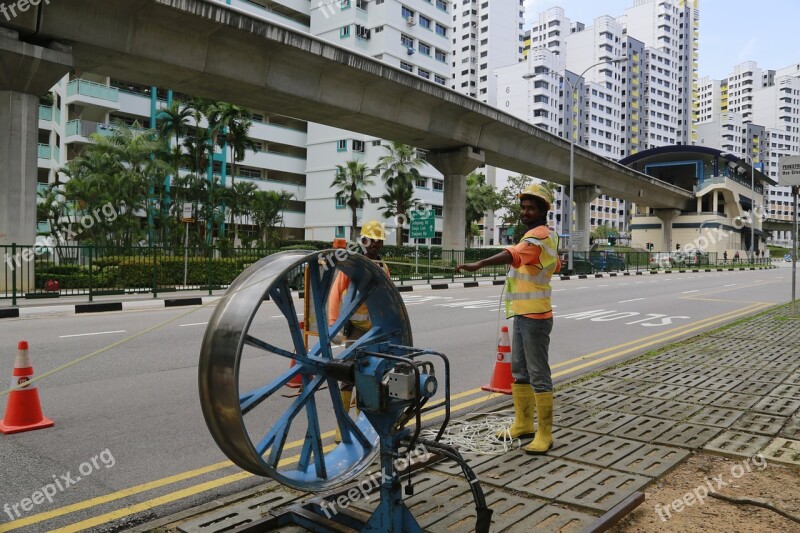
351 183
240 197
399 170
509 203
267 212
481 198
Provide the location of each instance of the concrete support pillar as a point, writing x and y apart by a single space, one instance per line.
715 201
584 196
699 206
455 165
667 216
26 73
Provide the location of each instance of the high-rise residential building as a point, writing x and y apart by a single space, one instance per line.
755 114
571 84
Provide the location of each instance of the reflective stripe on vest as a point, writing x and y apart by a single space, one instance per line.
528 287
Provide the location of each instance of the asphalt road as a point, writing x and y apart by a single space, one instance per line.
128 420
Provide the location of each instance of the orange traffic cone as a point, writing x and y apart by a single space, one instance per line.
297 381
23 411
501 377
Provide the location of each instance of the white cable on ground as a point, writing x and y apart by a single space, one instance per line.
479 436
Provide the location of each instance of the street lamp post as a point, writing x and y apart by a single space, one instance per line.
753 203
575 105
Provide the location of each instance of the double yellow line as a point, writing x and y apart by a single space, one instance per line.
572 365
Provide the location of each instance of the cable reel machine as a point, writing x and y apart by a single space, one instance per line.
248 356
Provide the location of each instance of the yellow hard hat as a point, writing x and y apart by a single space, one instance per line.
374 230
538 190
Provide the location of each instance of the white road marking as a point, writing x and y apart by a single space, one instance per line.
633 300
687 292
602 285
729 285
576 288
87 334
195 324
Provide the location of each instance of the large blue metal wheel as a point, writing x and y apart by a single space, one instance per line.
240 327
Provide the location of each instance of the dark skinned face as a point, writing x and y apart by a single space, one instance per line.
372 247
528 211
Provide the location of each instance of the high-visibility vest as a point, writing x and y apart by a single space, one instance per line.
528 287
360 318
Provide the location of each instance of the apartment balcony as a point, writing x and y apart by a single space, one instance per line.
277 133
276 161
44 156
84 92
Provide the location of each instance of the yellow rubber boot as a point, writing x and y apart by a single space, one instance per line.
346 395
544 433
524 407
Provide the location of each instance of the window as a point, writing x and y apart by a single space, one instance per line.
407 66
425 22
437 238
249 173
341 146
344 4
424 49
374 200
441 56
406 41
437 210
439 79
344 32
441 4
340 202
421 183
358 146
424 74
340 232
438 185
406 13
441 30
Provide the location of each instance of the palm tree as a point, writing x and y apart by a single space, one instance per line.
350 184
481 198
399 171
173 122
398 202
240 198
267 212
239 143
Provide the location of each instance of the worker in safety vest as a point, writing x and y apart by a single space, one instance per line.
373 234
534 260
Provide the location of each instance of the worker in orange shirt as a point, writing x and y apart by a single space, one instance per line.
534 260
372 236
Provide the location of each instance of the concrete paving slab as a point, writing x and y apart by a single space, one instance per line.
632 387
659 371
782 450
459 515
600 383
781 366
759 423
687 379
701 396
230 517
786 391
716 383
690 436
652 460
716 416
509 466
666 391
629 372
756 388
605 399
569 415
447 466
742 374
777 406
766 376
553 518
794 379
604 451
734 443
551 480
573 395
643 428
696 359
732 400
603 422
568 440
658 408
603 491
792 429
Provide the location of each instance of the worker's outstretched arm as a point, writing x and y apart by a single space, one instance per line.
503 258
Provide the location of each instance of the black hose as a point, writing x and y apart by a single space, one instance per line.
484 514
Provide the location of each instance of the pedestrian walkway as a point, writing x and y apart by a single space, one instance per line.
733 392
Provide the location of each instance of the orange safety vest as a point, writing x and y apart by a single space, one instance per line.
360 318
528 287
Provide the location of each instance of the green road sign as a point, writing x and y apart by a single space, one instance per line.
423 224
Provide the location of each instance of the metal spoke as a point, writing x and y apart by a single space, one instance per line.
320 309
354 297
312 446
250 400
281 294
263 345
373 336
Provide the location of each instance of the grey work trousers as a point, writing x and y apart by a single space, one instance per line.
530 345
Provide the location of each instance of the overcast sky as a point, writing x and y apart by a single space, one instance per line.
731 31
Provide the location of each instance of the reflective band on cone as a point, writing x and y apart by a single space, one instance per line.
501 376
23 410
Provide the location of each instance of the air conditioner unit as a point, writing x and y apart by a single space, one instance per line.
410 51
410 21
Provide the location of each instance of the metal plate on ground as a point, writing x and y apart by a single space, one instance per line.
733 400
783 451
666 391
658 408
551 480
603 491
756 388
716 416
643 428
508 512
777 406
759 423
233 516
567 440
734 443
604 451
691 436
651 460
555 519
603 422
